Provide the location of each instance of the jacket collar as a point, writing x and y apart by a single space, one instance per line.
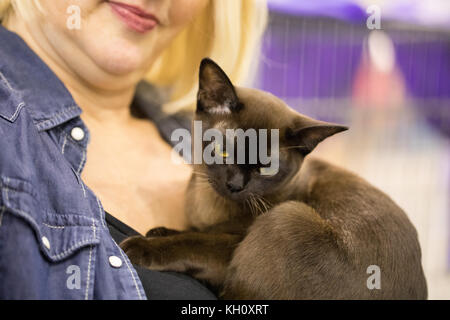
27 82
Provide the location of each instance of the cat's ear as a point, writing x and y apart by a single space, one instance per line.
308 134
216 94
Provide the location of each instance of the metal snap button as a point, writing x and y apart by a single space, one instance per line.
46 242
115 262
77 134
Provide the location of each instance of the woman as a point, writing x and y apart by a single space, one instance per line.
77 167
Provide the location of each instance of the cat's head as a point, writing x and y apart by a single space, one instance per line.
222 106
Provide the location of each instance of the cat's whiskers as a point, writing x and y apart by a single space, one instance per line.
251 203
266 203
247 204
261 204
256 205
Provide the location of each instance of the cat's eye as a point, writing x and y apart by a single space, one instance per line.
220 152
268 171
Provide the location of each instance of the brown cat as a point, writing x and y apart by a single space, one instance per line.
308 231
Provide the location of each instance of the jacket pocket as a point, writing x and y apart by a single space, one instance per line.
59 235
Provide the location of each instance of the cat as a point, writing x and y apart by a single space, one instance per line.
310 231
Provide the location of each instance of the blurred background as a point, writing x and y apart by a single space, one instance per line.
383 68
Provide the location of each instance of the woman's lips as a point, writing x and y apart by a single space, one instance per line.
134 17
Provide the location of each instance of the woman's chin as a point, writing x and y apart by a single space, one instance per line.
119 66
118 57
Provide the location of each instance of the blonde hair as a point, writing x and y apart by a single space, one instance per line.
228 31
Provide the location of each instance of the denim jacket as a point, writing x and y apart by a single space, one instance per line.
54 242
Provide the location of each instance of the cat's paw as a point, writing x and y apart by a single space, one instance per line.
155 253
161 232
142 251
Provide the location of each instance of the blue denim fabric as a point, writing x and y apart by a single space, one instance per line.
54 242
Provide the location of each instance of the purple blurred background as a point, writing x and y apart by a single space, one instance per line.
313 49
390 85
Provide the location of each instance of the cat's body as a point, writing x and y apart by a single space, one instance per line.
310 231
322 246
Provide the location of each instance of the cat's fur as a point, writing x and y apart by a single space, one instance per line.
309 232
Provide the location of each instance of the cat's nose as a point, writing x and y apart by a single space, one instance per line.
235 182
235 186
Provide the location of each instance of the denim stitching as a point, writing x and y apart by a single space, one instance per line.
62 254
93 227
6 191
80 182
83 188
86 296
100 208
53 227
131 271
65 252
55 116
23 213
8 186
83 159
2 76
69 137
19 106
64 144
